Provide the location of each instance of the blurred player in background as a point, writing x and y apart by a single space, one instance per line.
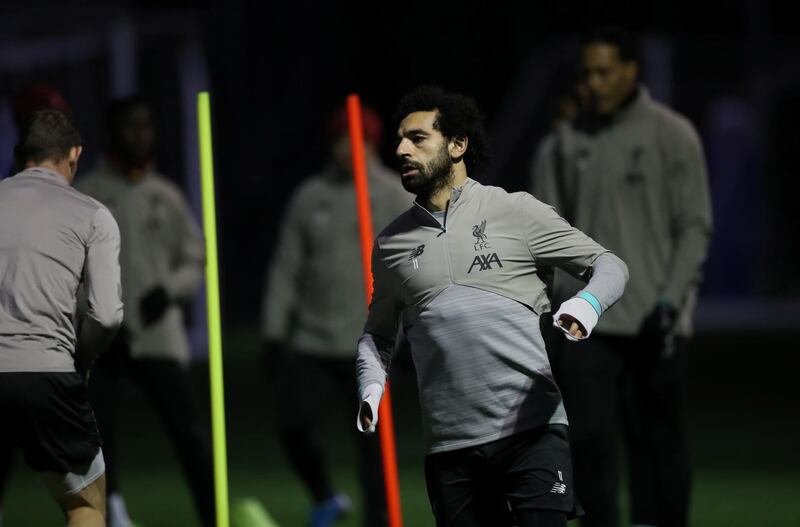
630 172
162 265
313 312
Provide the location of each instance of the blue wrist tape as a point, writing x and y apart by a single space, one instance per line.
589 297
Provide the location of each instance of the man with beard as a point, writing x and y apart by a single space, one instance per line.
161 260
630 172
313 311
466 270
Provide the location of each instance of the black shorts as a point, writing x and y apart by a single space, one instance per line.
48 416
492 483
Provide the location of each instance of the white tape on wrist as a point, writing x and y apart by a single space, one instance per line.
582 311
372 395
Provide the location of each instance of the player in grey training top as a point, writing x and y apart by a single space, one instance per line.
161 260
313 311
629 171
52 239
466 268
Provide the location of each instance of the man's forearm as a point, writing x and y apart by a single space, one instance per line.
609 276
183 282
690 252
372 367
93 339
373 360
605 287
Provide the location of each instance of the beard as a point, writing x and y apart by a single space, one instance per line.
430 178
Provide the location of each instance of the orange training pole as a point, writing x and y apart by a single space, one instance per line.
385 421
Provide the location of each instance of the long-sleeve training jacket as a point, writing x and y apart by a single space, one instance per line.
637 185
161 246
469 292
52 240
313 298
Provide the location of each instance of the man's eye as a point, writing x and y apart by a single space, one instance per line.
417 139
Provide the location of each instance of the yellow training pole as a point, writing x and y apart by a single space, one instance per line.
212 299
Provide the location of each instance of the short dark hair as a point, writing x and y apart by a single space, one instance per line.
458 116
46 135
625 41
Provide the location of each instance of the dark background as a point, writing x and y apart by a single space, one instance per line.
275 72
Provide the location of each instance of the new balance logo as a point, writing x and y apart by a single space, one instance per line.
559 488
415 253
484 262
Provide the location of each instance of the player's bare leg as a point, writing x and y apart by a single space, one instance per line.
86 508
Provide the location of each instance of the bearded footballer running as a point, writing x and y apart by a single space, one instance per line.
466 272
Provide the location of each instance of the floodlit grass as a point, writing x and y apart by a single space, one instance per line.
157 498
744 437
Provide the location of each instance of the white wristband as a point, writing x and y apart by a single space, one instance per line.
582 311
371 394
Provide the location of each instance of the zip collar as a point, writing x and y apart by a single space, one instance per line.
426 217
592 124
458 197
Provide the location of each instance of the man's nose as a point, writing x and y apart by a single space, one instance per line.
402 149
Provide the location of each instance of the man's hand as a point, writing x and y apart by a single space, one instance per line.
576 318
659 327
661 321
368 408
83 368
365 414
571 325
153 305
116 353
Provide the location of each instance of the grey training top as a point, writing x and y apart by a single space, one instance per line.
161 246
314 297
52 238
469 291
638 186
482 369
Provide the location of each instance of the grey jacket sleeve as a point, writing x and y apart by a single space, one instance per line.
609 276
280 288
101 281
690 203
376 345
188 254
553 242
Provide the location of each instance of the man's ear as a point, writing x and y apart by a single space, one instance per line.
457 147
74 154
72 161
